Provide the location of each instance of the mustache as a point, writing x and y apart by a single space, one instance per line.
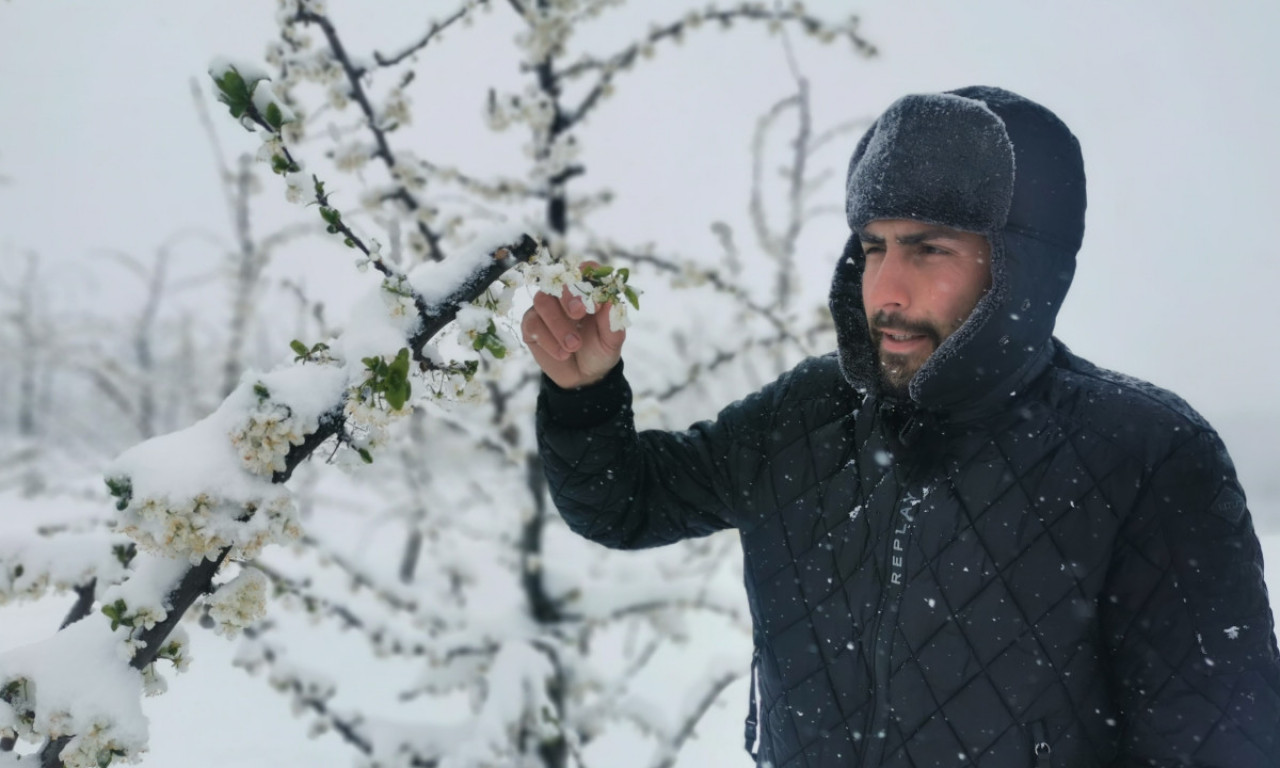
883 322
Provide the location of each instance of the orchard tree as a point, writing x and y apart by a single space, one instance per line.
477 584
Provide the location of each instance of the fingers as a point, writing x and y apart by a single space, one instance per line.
541 339
573 306
557 331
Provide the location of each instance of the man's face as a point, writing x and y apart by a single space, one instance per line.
920 284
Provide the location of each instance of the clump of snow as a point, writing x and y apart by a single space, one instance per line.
75 684
145 596
191 495
248 71
436 281
264 95
378 327
30 565
288 407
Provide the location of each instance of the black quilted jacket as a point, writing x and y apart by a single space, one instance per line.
1033 562
1053 585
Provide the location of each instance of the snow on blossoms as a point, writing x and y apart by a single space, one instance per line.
192 493
75 684
239 602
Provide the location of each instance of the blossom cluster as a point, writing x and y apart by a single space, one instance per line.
176 651
596 286
200 527
553 159
265 436
368 418
239 602
398 295
96 747
532 108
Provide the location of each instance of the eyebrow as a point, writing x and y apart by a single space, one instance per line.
914 238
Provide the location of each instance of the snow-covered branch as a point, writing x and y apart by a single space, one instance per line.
196 497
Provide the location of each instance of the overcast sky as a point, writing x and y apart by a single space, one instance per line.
1174 103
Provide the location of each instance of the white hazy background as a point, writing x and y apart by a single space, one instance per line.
1174 103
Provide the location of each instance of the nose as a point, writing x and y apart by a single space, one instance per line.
885 283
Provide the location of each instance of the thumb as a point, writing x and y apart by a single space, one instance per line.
609 338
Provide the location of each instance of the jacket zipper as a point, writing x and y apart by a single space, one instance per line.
1040 745
905 510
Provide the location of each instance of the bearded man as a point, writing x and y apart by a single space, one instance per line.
962 544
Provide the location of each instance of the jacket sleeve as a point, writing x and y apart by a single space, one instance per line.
1193 654
629 490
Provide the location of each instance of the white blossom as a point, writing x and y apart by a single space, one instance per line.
239 602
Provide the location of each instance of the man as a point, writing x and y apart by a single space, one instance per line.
963 545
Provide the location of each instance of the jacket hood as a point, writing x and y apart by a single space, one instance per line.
983 160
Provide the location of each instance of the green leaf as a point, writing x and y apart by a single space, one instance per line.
122 489
397 395
232 84
625 273
124 553
234 92
116 612
632 297
261 391
399 368
275 118
280 164
495 346
365 455
299 347
589 272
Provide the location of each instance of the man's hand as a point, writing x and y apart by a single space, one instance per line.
573 348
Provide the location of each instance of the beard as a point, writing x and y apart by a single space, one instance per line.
896 370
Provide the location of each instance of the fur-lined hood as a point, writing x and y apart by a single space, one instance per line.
984 160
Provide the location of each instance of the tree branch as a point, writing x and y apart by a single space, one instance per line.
675 30
672 750
358 93
436 28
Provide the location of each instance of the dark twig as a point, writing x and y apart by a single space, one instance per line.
83 604
738 293
361 97
675 30
436 28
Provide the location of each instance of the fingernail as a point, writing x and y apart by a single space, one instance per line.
576 305
571 340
